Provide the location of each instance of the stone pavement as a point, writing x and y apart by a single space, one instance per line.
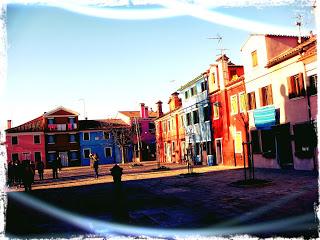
206 204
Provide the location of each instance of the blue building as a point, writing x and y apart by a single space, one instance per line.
196 113
96 136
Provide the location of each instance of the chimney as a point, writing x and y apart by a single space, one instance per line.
142 110
9 124
146 112
159 108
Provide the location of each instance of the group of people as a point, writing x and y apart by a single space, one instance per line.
22 173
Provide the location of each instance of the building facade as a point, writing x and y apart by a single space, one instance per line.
280 80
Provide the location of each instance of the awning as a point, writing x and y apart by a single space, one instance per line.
265 117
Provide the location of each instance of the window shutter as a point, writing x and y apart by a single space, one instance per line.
270 98
261 97
301 85
289 81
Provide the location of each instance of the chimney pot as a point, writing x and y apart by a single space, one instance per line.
142 110
9 124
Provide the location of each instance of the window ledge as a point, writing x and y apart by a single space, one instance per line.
297 98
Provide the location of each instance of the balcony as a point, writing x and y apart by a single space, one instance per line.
61 127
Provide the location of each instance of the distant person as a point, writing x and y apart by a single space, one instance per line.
95 159
54 166
59 163
10 174
40 168
17 168
27 175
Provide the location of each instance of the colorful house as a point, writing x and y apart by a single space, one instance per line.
229 119
195 115
143 128
281 80
96 136
170 133
26 141
62 137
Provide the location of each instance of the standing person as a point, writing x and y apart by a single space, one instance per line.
54 166
59 163
18 173
40 167
96 165
116 173
27 175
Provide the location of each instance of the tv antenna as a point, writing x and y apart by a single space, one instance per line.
219 38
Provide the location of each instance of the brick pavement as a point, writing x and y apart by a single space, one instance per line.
206 200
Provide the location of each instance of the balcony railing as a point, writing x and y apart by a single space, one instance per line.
62 127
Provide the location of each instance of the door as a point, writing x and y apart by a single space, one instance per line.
283 145
219 155
64 158
168 153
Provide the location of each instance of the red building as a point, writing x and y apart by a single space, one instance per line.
26 142
62 136
229 118
170 132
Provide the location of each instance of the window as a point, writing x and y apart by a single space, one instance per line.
206 114
305 139
151 127
268 143
36 139
86 136
108 151
234 104
169 125
251 101
296 86
242 102
173 147
15 157
86 152
51 156
313 83
72 138
72 120
266 96
203 86
140 128
188 119
51 139
255 139
73 154
164 126
186 94
172 125
51 121
254 58
233 75
106 135
195 115
181 121
14 140
37 156
215 110
193 91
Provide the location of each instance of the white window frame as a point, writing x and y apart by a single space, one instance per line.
216 109
74 137
84 156
245 102
54 141
17 140
34 155
39 139
231 109
111 153
104 135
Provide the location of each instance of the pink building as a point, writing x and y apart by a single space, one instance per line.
143 127
281 85
27 141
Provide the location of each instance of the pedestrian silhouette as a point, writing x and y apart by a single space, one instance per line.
27 175
59 163
116 172
40 168
54 166
96 165
10 173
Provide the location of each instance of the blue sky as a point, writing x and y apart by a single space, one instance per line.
56 56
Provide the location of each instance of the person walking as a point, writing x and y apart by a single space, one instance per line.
54 166
96 165
40 168
27 175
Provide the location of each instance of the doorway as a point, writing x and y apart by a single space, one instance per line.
64 159
283 145
219 155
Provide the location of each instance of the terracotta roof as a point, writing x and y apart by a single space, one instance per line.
59 109
35 125
292 52
136 114
101 124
